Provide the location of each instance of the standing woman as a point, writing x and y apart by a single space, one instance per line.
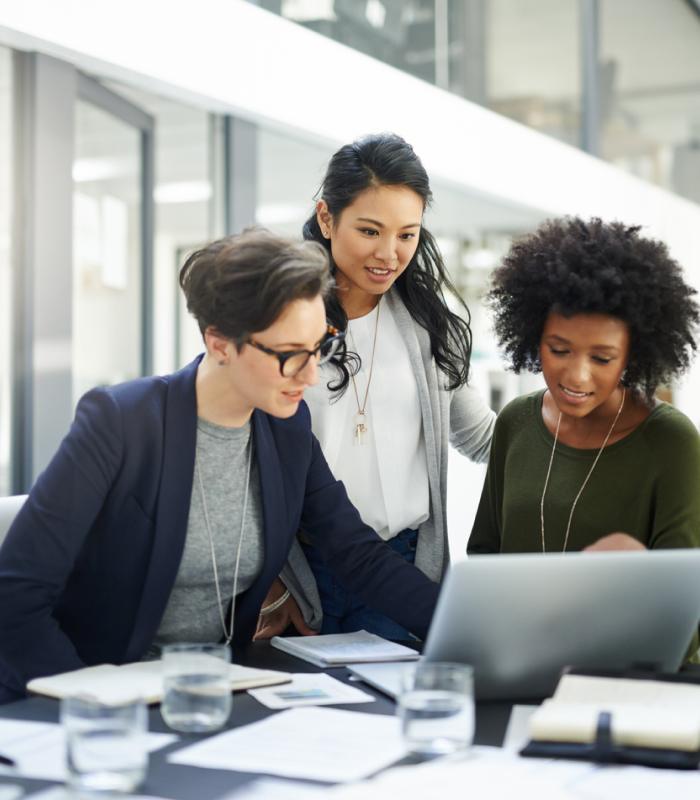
384 418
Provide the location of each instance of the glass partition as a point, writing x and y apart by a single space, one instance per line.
650 67
6 321
107 288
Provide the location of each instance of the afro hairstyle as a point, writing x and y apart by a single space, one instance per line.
571 266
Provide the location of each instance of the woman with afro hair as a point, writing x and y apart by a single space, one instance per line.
594 461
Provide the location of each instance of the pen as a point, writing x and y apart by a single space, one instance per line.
8 762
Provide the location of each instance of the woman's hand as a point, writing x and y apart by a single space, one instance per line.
615 541
277 621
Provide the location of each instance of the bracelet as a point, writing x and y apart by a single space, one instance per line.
281 600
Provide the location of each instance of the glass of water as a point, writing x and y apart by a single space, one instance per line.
106 748
436 708
196 687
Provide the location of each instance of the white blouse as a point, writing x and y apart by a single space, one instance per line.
386 476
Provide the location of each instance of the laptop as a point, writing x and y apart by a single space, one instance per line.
520 619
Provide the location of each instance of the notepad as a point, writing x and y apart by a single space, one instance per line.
114 684
644 713
338 649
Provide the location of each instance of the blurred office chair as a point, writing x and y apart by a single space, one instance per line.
9 506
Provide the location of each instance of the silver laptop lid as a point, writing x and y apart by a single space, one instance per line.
520 619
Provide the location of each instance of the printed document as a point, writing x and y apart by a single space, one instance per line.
310 689
322 744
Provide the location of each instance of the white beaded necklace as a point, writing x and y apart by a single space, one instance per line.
583 485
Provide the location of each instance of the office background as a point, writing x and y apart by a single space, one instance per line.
132 132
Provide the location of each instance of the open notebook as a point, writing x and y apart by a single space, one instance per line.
645 713
114 684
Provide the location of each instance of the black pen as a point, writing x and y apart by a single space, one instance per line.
8 762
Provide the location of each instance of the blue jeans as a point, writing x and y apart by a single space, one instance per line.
343 611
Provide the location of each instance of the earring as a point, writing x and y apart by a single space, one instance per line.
223 362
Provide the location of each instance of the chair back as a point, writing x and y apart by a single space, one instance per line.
9 506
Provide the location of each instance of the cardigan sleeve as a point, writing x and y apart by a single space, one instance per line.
471 423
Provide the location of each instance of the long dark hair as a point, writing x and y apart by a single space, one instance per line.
385 159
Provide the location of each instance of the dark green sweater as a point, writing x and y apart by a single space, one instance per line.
646 485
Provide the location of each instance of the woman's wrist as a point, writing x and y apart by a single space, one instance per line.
270 607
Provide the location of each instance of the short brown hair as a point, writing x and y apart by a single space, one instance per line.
239 285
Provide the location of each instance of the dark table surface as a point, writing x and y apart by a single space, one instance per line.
191 783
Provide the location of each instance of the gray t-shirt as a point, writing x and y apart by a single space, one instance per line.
222 458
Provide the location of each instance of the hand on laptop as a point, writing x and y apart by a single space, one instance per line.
616 541
276 622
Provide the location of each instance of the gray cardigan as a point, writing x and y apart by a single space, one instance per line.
459 417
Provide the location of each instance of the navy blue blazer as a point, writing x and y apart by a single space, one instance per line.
87 567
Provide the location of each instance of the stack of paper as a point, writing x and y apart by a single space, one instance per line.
112 684
338 649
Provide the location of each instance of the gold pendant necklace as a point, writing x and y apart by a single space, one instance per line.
360 419
583 485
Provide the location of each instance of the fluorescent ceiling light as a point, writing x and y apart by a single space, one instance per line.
375 13
182 192
307 10
98 169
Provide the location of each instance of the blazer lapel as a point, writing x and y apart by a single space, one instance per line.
177 469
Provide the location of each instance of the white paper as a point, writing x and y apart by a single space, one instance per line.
277 789
61 793
310 689
39 748
640 783
321 744
518 730
481 773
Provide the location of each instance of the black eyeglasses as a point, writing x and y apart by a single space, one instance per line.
292 362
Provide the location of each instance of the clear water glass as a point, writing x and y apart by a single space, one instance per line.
436 708
196 687
106 748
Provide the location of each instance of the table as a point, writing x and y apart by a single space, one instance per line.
191 783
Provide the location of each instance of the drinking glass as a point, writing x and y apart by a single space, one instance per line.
106 747
196 687
436 708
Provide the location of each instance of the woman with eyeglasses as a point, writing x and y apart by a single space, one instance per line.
386 415
172 503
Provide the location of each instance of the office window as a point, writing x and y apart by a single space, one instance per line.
106 250
6 336
650 72
290 172
189 211
533 71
